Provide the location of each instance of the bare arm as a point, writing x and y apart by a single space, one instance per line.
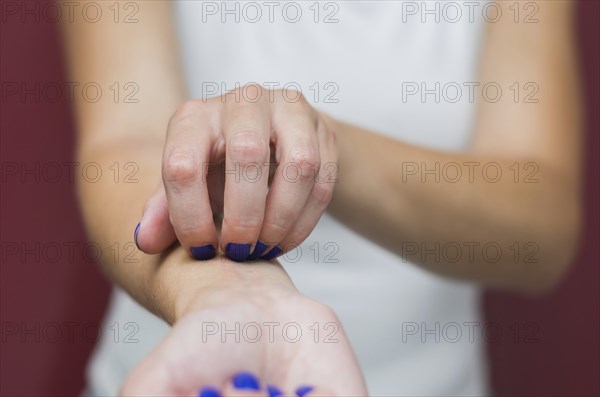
143 53
407 213
121 132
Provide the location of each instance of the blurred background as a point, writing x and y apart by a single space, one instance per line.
51 306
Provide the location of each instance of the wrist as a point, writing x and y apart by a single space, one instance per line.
220 281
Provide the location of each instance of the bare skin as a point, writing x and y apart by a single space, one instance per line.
290 352
544 136
175 287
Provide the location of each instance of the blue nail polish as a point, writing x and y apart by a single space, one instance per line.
135 233
304 390
274 253
238 252
245 381
259 249
274 391
203 252
209 392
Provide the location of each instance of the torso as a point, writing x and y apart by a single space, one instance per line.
355 70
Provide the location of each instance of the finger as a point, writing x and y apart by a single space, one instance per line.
216 186
311 391
186 157
155 233
210 391
301 391
232 392
321 194
246 129
299 156
245 384
150 378
274 391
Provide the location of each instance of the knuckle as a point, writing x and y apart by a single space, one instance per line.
242 224
189 228
306 160
180 165
250 92
280 221
322 193
247 147
254 86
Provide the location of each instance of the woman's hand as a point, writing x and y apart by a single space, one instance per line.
259 325
245 129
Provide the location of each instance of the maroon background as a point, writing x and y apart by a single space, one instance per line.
564 361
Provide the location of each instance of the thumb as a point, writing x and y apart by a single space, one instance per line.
155 233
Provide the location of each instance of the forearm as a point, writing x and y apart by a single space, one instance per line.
166 284
126 136
512 136
385 193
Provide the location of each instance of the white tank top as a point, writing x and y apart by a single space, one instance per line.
414 333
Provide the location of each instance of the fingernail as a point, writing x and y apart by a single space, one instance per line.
272 254
238 252
274 391
245 381
203 252
209 392
259 249
304 390
135 234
